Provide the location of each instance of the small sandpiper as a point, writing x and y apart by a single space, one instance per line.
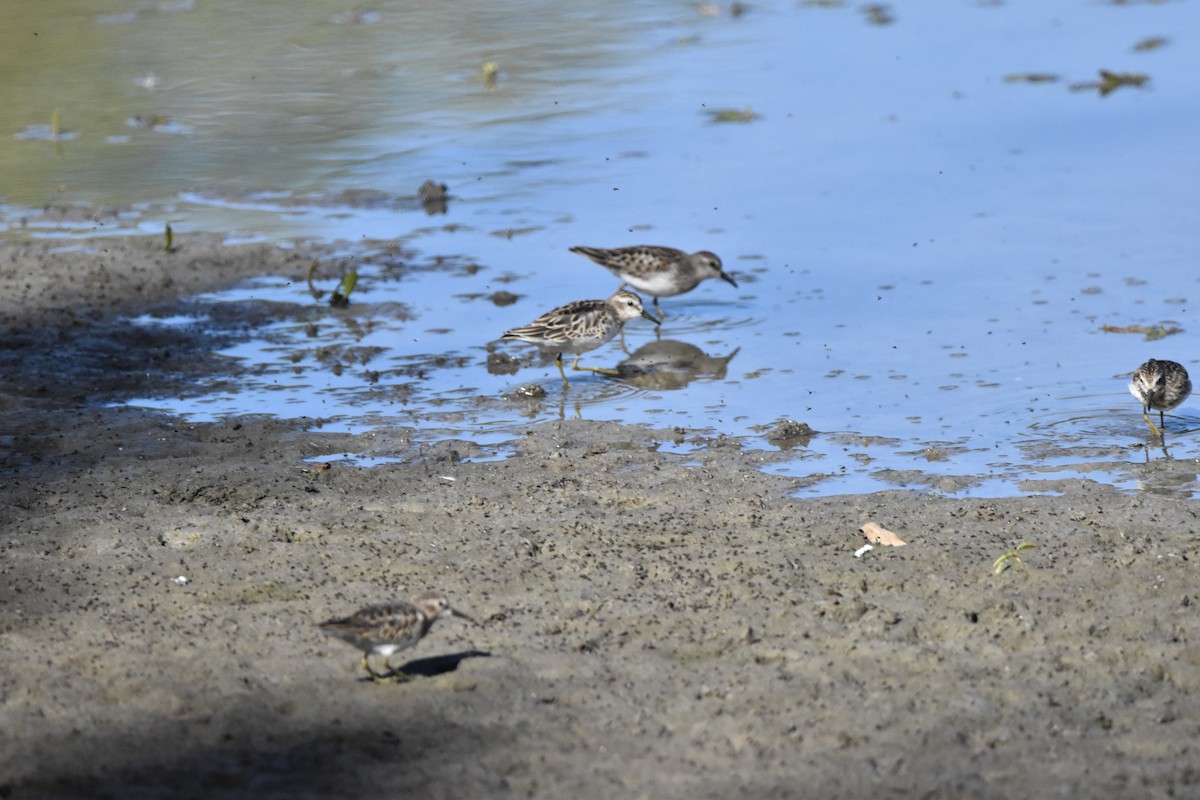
658 271
387 629
1160 385
581 326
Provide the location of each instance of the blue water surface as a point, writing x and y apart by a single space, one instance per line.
932 248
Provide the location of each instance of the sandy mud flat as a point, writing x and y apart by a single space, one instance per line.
650 626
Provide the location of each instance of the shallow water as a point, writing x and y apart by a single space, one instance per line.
927 253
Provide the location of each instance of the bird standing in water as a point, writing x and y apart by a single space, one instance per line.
1159 386
581 326
658 271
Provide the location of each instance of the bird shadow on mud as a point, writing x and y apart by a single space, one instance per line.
433 666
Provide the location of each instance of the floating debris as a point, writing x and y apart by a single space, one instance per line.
1150 43
341 297
313 290
147 123
508 233
1030 77
489 71
159 123
736 9
878 14
1111 81
732 115
1152 332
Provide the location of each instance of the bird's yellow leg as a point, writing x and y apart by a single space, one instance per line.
601 370
558 361
1153 428
379 677
366 665
392 675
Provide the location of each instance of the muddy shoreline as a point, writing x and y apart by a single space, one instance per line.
651 626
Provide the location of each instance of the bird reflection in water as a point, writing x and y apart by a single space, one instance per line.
671 364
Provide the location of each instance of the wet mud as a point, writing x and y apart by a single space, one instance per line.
651 624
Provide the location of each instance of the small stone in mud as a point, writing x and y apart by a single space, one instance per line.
529 390
789 433
503 298
433 197
502 364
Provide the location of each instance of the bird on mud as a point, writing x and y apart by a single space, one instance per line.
387 629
